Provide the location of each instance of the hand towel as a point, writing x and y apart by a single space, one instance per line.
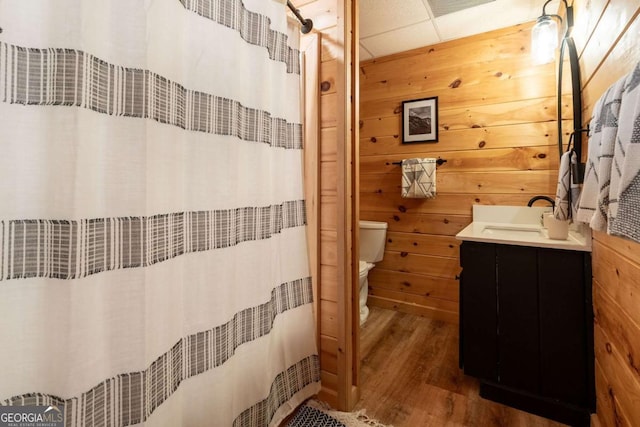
624 209
419 178
594 201
568 192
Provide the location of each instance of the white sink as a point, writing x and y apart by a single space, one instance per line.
520 225
511 231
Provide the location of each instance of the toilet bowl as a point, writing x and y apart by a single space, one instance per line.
373 235
364 267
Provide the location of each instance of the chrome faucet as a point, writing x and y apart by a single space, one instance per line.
547 198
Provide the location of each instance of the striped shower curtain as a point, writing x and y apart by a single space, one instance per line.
153 264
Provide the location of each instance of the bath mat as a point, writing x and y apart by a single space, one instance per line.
318 414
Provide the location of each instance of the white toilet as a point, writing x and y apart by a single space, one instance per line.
373 236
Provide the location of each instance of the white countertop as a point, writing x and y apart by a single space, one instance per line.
521 225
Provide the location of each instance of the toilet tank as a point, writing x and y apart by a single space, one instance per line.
373 236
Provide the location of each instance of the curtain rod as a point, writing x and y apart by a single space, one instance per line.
307 24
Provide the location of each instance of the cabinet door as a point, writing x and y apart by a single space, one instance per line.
519 351
565 317
478 310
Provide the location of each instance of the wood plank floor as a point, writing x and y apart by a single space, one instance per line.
410 377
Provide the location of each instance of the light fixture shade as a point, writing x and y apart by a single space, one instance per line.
544 40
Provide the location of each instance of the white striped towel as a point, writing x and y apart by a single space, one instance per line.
419 178
594 202
624 208
568 192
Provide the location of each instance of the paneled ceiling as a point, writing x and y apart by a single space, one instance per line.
391 26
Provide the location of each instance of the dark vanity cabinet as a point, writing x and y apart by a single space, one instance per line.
526 328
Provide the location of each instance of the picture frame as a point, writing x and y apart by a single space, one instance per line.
420 120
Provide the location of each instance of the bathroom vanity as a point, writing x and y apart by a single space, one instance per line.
526 317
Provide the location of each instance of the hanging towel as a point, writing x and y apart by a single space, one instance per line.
419 178
594 201
568 192
624 210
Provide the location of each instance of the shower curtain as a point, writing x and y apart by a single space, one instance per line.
153 264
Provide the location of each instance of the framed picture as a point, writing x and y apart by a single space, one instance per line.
420 120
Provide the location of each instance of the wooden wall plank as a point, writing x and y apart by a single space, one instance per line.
328 178
328 71
471 116
452 204
427 265
430 223
414 284
628 248
328 206
329 286
504 43
383 136
622 386
544 157
415 299
609 412
610 317
328 254
329 318
328 354
499 69
621 278
521 181
621 60
331 49
419 310
423 244
500 114
588 19
613 23
473 84
329 146
329 393
539 181
328 110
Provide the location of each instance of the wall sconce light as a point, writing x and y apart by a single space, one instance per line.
544 41
544 36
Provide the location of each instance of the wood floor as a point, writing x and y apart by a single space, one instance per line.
410 377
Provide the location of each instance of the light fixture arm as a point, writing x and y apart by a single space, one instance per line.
569 16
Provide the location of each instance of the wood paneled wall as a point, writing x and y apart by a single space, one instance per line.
332 22
497 131
324 16
609 47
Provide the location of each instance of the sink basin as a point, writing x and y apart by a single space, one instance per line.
512 231
520 226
